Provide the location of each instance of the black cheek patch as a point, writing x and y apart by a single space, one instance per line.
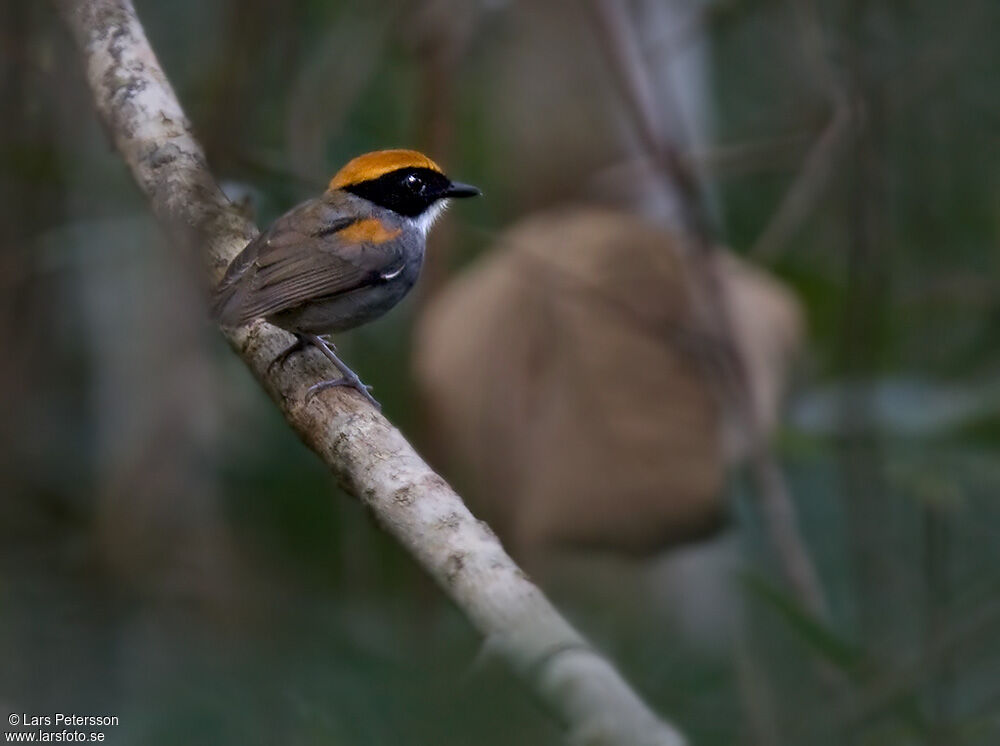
392 191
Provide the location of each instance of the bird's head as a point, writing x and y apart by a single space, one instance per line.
404 181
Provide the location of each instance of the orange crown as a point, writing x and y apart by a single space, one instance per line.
377 163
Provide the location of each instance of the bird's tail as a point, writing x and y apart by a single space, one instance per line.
228 299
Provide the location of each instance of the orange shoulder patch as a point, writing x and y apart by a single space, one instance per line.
369 230
372 165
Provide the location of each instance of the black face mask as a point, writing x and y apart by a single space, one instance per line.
410 191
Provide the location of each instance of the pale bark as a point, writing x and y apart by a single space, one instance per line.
370 457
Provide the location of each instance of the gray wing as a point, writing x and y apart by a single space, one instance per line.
303 256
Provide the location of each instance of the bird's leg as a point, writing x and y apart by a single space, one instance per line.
350 378
298 345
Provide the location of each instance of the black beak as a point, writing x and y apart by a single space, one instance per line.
459 190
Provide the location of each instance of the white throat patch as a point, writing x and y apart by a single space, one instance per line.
425 220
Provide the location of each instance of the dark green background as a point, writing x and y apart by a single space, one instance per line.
291 618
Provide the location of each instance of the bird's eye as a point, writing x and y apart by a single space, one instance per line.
414 183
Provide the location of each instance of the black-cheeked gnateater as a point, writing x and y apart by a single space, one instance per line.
343 259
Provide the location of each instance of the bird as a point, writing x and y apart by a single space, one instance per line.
342 259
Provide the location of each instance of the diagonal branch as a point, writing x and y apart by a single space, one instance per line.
614 27
807 188
819 166
365 452
727 366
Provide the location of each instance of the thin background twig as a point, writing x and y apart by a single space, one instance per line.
619 43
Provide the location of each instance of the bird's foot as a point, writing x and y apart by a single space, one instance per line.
298 345
350 378
352 382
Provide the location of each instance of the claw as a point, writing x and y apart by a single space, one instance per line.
354 383
350 378
297 346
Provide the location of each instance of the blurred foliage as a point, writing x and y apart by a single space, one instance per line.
169 553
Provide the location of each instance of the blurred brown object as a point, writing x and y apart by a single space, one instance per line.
565 391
